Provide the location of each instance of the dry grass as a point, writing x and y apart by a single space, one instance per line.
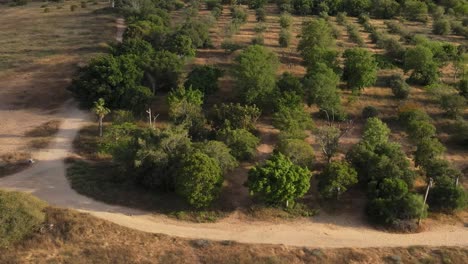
80 238
13 162
28 34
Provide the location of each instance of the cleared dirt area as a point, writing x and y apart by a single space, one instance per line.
70 237
39 52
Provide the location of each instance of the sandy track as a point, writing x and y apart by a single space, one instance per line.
47 180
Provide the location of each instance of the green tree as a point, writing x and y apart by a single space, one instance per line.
446 196
385 9
399 86
287 118
375 132
198 179
164 70
357 7
360 68
441 27
101 111
336 179
234 116
180 44
289 83
414 10
113 79
255 74
278 181
453 104
285 20
420 59
328 138
284 38
241 142
185 107
298 151
204 78
220 152
427 150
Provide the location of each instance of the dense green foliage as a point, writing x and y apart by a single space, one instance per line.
298 151
278 180
336 179
242 143
234 116
204 78
198 179
255 74
360 68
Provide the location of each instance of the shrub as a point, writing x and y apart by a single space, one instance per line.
354 35
298 151
241 142
198 179
284 38
460 132
421 60
375 132
370 111
278 181
441 27
217 12
255 74
230 46
258 40
239 14
234 116
360 68
289 83
415 10
336 179
399 86
204 78
260 14
285 20
211 4
453 104
385 9
260 28
447 197
20 215
220 152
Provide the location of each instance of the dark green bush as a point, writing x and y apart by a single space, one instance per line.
260 14
204 78
370 111
446 197
241 142
441 27
399 86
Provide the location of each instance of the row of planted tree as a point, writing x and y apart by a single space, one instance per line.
200 145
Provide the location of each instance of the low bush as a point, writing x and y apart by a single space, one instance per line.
20 215
284 38
441 27
399 86
370 111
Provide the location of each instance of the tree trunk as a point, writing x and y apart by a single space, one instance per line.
100 125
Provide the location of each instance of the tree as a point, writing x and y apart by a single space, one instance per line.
278 181
255 74
440 169
357 7
320 86
420 60
285 20
446 196
453 104
360 68
198 179
287 118
317 44
284 38
289 83
241 142
328 137
185 107
370 111
414 10
427 150
113 79
441 27
336 179
101 111
204 78
298 151
180 44
375 132
164 70
385 9
418 130
234 116
220 152
399 86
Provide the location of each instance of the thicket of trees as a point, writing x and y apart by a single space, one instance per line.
201 144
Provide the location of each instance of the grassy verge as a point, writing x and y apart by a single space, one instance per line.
80 238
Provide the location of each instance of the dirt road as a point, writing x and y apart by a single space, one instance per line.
47 180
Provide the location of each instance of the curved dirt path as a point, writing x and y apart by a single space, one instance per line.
47 180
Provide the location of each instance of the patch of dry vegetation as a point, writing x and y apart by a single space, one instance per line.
71 237
13 162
